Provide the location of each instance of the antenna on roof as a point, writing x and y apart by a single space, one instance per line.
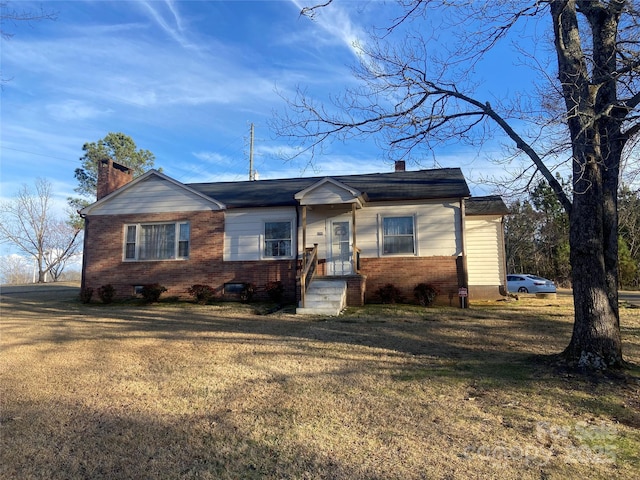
252 173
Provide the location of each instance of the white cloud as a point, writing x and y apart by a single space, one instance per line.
335 21
213 158
170 23
174 77
101 69
75 110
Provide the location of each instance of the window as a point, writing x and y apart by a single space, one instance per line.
156 241
277 239
397 235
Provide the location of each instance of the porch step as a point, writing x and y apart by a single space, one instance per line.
325 297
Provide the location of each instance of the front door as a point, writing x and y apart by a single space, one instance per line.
339 261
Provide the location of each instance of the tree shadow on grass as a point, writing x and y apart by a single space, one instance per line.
481 352
495 346
79 442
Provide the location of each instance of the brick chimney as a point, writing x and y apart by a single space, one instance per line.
400 166
111 176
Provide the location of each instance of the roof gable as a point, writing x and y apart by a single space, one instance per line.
152 192
328 191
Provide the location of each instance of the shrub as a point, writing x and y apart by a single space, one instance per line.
86 294
151 293
202 293
389 294
425 294
275 290
247 292
106 293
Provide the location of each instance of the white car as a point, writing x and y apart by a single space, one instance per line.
524 283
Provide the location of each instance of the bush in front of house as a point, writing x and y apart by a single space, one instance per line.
202 293
151 292
425 294
389 294
247 292
106 293
275 290
86 294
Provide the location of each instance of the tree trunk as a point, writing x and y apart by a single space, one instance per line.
596 343
597 144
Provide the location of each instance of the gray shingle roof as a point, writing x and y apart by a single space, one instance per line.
408 185
489 205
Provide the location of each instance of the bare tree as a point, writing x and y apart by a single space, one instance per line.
416 96
15 269
28 223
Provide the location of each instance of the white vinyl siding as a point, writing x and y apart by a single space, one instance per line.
154 195
244 232
485 255
436 227
156 241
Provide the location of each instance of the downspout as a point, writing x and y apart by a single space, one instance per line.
505 289
84 251
463 238
303 258
354 252
304 233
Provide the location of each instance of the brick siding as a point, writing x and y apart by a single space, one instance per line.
104 237
407 272
111 176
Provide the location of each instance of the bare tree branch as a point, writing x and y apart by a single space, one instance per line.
27 223
413 96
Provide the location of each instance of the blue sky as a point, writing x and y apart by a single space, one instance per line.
185 79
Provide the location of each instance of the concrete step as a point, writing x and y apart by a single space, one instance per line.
324 297
335 304
321 282
318 311
325 289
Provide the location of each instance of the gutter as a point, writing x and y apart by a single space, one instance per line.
463 238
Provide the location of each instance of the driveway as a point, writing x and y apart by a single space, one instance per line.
628 296
59 291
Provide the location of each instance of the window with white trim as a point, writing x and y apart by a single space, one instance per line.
277 239
398 235
156 241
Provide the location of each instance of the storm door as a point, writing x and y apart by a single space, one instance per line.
339 261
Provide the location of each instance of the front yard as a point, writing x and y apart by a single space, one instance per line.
177 390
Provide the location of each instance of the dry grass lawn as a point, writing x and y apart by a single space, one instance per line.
177 390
